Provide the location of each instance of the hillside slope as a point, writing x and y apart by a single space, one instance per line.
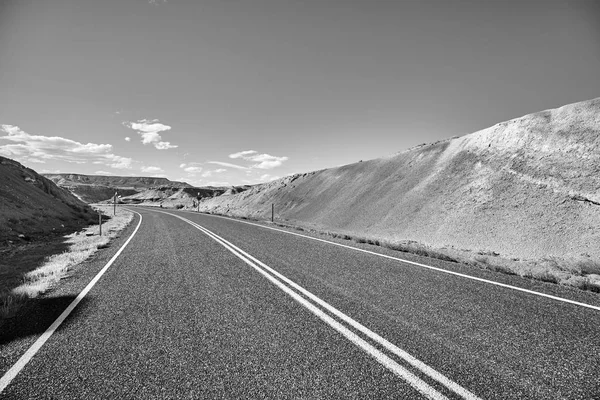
528 187
32 205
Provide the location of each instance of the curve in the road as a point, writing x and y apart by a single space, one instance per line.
278 279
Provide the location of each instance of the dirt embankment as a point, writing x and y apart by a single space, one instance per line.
33 206
525 188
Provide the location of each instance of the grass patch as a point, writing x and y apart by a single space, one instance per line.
80 247
581 272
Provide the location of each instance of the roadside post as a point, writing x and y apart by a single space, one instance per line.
115 204
198 202
272 212
100 221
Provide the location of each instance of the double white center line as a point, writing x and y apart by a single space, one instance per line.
350 328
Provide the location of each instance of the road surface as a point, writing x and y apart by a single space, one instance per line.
199 306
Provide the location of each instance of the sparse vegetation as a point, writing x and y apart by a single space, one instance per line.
80 248
582 272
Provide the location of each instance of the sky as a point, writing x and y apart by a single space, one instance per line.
232 92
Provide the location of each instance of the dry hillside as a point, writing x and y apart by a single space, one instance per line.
526 188
32 205
171 197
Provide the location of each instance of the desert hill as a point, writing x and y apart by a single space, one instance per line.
171 197
96 188
528 187
32 205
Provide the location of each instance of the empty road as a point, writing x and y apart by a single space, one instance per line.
200 306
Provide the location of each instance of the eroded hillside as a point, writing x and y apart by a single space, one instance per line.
97 188
528 187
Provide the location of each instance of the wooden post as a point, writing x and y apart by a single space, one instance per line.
272 212
100 222
115 204
198 200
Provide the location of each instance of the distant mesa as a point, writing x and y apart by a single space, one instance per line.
97 188
138 190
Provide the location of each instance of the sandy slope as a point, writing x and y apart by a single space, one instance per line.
524 188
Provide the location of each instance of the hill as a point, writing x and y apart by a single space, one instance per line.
32 205
525 188
170 197
96 188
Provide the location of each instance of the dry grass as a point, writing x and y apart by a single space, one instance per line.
81 247
581 272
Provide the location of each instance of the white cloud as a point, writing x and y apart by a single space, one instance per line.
127 139
243 154
152 170
193 170
103 173
182 165
216 171
224 164
264 161
149 131
37 148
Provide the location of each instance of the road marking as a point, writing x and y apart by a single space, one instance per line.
400 371
504 285
35 347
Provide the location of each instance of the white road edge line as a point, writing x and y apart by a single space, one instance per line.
504 285
36 346
381 357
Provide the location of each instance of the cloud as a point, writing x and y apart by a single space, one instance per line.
216 171
224 164
263 161
127 139
103 173
182 165
149 131
193 170
37 148
152 170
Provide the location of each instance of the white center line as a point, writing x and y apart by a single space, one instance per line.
397 369
445 271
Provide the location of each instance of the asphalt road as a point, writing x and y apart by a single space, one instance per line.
256 313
